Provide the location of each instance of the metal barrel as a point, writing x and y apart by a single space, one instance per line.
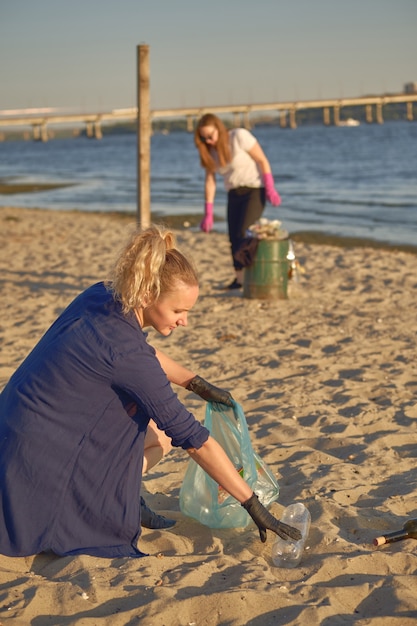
267 277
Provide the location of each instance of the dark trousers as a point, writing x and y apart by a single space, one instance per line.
245 206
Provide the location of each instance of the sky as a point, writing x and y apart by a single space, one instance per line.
81 55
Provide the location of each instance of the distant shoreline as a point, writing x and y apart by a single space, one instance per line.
305 117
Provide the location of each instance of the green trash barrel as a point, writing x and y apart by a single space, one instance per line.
267 277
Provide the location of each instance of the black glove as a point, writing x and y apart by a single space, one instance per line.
209 392
264 520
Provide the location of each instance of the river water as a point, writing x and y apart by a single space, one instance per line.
347 181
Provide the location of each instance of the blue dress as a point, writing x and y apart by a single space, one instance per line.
73 419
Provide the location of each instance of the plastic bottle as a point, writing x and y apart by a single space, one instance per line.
288 553
293 273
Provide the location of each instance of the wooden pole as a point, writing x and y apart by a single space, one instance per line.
143 138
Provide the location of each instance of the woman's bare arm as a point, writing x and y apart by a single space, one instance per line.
175 372
210 186
214 460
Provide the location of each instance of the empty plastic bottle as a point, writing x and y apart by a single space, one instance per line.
288 553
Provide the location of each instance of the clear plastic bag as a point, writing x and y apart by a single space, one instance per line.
206 501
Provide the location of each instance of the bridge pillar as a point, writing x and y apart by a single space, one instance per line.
236 120
293 121
326 116
410 111
190 123
283 119
44 133
40 132
379 117
368 113
97 131
336 115
246 122
89 129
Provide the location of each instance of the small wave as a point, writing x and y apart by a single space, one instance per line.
368 203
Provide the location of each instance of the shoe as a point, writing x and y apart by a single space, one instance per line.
150 519
234 285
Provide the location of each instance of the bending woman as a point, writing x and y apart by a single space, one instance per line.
237 156
92 406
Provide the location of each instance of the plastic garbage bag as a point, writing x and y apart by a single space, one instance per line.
204 499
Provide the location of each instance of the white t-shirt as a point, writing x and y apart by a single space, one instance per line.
242 171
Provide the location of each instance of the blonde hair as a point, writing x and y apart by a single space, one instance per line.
148 267
222 146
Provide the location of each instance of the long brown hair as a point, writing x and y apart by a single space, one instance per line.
222 147
149 266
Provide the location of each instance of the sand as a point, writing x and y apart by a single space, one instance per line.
328 383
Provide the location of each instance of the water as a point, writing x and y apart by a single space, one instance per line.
347 181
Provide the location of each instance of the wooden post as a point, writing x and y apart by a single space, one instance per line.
143 138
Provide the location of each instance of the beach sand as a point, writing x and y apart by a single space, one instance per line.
328 383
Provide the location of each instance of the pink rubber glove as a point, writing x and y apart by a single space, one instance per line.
207 221
272 194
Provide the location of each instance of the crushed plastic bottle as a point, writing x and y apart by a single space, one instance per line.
288 553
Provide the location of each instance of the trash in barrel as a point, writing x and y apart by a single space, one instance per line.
267 276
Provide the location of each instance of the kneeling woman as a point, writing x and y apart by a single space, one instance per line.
92 407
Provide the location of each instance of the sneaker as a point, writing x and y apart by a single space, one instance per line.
150 519
234 285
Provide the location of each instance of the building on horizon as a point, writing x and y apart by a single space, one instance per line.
410 87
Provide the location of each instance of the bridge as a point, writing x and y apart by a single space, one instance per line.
287 112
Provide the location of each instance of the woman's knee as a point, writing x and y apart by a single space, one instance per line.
157 438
